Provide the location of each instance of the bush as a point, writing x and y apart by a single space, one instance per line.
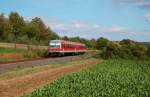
139 51
36 53
126 49
102 43
148 51
41 52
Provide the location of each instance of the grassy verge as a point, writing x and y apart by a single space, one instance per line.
113 78
11 50
11 54
22 72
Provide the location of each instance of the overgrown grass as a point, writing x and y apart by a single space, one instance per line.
113 78
11 50
26 54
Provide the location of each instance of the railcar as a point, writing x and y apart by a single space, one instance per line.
62 47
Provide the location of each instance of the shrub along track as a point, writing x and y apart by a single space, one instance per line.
20 85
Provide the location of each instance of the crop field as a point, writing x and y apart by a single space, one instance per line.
112 78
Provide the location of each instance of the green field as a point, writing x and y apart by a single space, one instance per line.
113 78
11 50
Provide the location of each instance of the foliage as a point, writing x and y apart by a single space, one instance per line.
148 51
15 29
113 78
126 49
17 22
41 52
102 43
36 53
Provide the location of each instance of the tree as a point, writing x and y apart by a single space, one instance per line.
139 51
2 20
17 22
44 33
42 30
93 43
65 38
75 39
128 42
5 29
29 33
102 43
148 51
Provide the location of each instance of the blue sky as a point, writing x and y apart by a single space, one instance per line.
113 19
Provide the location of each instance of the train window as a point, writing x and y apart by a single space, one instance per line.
55 46
63 45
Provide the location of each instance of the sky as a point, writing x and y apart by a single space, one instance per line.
112 19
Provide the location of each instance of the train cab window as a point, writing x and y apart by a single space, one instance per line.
55 46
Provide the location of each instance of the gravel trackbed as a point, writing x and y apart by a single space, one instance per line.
39 62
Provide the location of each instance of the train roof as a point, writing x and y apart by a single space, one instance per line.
69 42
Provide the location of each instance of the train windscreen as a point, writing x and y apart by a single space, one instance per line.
55 44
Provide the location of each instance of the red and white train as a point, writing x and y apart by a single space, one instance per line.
62 47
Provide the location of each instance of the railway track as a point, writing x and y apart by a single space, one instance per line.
10 66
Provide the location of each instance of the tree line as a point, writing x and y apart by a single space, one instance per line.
125 49
15 29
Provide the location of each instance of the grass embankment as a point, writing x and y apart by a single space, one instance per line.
22 72
11 54
113 78
11 50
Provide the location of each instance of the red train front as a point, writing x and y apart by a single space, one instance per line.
61 47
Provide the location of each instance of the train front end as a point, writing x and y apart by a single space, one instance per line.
54 47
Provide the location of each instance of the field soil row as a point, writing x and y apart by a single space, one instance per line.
25 84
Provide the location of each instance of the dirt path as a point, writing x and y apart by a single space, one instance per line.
18 86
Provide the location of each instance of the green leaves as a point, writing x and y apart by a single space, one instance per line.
15 29
114 78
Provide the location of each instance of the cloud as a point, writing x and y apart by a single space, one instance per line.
139 3
147 17
142 4
82 27
86 29
90 30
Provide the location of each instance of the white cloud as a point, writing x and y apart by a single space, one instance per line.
140 3
147 17
117 29
91 30
82 27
